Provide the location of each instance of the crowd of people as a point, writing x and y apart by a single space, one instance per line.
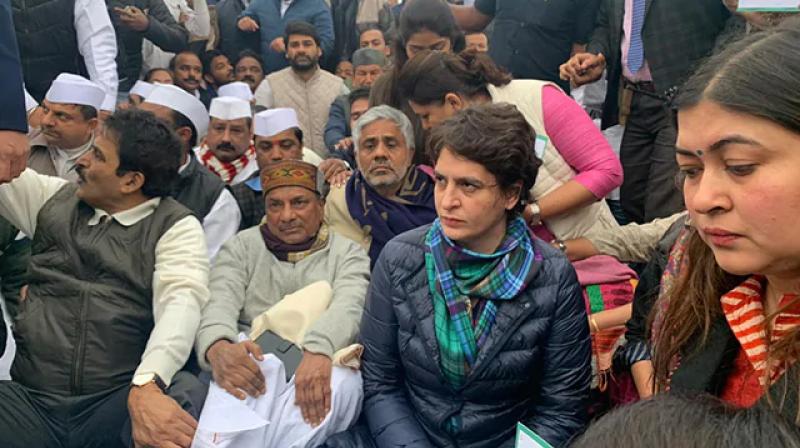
363 223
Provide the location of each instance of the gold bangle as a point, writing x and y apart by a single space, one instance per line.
593 324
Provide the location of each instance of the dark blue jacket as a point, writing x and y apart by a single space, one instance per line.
338 126
12 114
271 25
534 367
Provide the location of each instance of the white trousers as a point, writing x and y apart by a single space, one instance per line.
273 419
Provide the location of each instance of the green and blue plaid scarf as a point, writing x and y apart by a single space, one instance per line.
456 275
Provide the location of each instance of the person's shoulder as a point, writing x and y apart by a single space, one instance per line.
407 244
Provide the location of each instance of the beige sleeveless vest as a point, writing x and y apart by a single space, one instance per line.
311 100
526 95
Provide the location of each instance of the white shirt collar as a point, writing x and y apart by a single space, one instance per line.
130 216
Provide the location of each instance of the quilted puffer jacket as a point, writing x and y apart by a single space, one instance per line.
533 368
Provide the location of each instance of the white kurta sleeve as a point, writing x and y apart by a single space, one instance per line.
22 198
97 43
221 223
180 291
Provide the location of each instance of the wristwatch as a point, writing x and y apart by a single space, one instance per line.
536 214
144 379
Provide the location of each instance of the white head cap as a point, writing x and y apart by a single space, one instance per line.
236 89
274 121
229 108
73 89
142 88
30 102
181 101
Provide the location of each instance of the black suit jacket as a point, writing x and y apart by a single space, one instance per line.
678 35
12 114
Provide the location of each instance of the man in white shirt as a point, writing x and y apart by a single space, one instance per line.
228 150
198 189
118 278
50 43
68 123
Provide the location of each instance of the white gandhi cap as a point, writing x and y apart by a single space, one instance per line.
142 88
181 101
274 121
236 89
229 108
73 89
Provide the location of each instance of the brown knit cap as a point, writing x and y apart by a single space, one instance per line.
289 173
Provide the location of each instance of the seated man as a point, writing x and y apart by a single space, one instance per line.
118 276
249 69
255 270
337 167
387 195
227 150
368 66
187 69
374 38
68 124
277 137
217 70
200 191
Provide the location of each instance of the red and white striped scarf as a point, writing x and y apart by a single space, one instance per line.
226 171
744 310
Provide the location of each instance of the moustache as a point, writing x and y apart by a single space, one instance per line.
227 146
382 164
288 227
248 78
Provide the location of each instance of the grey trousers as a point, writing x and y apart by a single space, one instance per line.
30 418
648 161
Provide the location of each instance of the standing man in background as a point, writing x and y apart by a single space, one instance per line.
57 36
531 38
649 48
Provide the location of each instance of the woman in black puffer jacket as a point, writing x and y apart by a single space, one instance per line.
471 325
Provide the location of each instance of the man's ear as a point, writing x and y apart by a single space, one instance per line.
93 122
185 133
132 181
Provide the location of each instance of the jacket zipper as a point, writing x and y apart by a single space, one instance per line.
80 349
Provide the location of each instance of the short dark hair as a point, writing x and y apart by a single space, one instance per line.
182 120
372 27
496 136
174 59
249 54
358 94
152 71
87 112
146 145
302 28
208 58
